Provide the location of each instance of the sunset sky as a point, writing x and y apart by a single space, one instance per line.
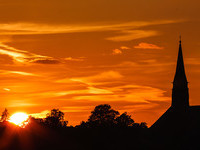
76 54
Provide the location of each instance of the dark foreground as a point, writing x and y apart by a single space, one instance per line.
37 137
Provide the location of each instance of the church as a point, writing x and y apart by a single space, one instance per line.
180 116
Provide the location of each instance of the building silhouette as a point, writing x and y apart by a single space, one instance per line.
180 116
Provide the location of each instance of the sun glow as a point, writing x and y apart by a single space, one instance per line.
19 119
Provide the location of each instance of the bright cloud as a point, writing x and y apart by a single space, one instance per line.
6 89
147 46
129 35
17 72
74 59
32 28
41 114
22 56
124 48
117 52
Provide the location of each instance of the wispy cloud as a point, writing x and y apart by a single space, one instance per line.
124 48
116 52
6 89
22 56
74 59
17 72
33 28
97 86
147 46
129 93
126 31
101 77
128 35
47 60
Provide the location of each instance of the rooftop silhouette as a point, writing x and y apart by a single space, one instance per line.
180 116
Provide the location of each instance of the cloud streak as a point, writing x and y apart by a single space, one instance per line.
124 48
126 31
5 72
101 77
74 59
147 46
22 56
97 90
33 28
129 35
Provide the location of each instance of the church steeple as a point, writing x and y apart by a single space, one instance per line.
180 94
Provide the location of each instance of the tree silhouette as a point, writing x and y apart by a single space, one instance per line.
5 115
124 121
102 116
55 119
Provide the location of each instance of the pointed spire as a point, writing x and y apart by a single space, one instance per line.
180 69
180 93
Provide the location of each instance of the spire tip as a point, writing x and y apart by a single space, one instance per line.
180 39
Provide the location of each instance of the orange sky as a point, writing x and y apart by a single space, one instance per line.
74 55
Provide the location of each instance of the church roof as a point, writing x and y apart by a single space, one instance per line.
179 119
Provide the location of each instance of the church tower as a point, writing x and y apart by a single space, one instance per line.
180 117
180 94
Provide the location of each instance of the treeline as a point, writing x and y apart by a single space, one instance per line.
103 116
105 129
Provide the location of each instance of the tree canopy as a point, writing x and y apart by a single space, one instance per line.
103 116
55 119
124 120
